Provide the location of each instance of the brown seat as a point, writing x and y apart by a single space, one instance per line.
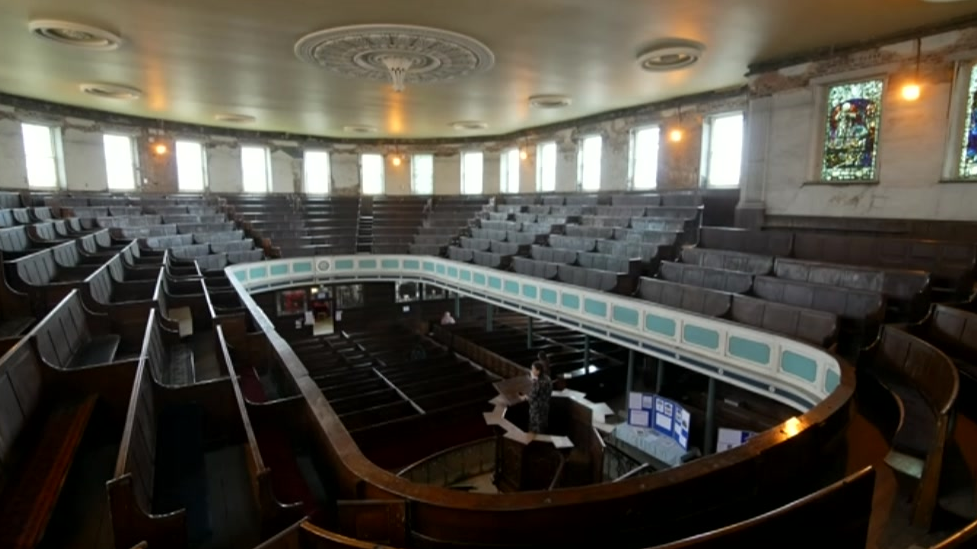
817 327
682 296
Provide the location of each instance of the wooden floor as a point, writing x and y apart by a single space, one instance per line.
81 519
205 362
234 519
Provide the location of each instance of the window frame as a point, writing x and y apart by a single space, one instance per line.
135 161
305 172
413 174
464 176
540 157
506 160
383 174
57 155
204 180
707 148
582 165
267 156
957 122
632 156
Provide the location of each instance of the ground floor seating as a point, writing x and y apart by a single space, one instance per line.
73 337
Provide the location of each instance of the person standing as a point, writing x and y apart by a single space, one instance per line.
539 398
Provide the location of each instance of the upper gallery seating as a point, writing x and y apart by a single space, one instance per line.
449 217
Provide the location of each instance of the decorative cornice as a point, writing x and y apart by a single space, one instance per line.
57 109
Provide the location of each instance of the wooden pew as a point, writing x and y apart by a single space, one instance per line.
72 337
683 296
274 514
37 446
927 383
130 492
729 260
170 361
841 511
706 277
954 332
767 243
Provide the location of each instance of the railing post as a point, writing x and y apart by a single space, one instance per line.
457 306
529 334
586 351
709 440
659 376
489 309
630 371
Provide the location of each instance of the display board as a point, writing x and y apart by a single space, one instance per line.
727 439
661 414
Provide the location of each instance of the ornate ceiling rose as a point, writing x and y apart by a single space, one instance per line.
78 35
670 54
401 54
111 91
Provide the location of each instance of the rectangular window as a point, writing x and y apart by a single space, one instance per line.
120 162
191 170
644 158
317 178
422 174
851 132
371 173
546 167
723 157
40 150
255 169
472 165
968 154
588 163
509 171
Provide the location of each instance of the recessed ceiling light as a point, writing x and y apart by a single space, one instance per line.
111 91
233 118
75 34
359 128
465 125
670 54
549 101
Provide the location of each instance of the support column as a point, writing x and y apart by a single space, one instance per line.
630 371
759 122
529 334
659 376
709 440
586 350
457 306
489 310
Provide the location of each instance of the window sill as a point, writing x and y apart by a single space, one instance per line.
840 183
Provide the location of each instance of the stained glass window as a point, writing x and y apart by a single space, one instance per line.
851 137
968 155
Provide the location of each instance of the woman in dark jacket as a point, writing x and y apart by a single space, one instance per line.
539 398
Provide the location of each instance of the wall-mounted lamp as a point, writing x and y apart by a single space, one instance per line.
160 149
676 134
396 160
523 154
911 91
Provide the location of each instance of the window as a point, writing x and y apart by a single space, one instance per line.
191 173
851 132
40 151
968 154
472 164
120 162
723 150
588 163
422 174
644 158
317 178
509 171
546 168
371 173
255 169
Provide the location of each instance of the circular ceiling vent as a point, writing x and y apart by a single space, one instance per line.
111 91
550 101
403 54
670 55
359 128
468 125
75 34
234 118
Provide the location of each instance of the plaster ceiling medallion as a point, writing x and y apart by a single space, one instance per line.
670 54
359 128
111 91
550 101
469 125
234 118
400 53
75 34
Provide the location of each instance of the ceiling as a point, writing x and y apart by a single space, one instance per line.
196 58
